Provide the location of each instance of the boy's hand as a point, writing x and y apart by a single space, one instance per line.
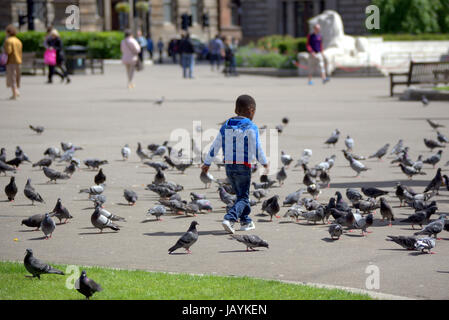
267 170
205 168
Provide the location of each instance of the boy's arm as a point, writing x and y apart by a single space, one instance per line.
260 154
214 149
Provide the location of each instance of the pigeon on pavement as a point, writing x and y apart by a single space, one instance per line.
333 139
349 143
271 206
37 267
432 144
100 177
187 239
381 152
34 221
130 196
335 231
54 175
48 226
94 163
44 162
157 211
4 167
433 228
251 241
434 159
37 129
386 211
100 221
372 192
31 193
420 217
126 151
434 125
61 212
11 189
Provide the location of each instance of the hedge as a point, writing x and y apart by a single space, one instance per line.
104 45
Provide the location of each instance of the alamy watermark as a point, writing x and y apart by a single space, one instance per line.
372 282
372 21
72 22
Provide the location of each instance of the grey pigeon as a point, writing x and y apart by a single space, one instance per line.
442 138
386 211
433 228
204 204
4 167
367 206
225 197
425 244
61 212
281 176
86 286
271 206
363 222
314 190
286 159
109 215
31 193
157 211
54 175
100 221
425 101
294 211
156 165
100 177
405 242
3 154
183 166
434 159
160 101
94 163
335 231
435 183
130 196
357 166
94 190
34 221
434 125
293 197
159 177
381 152
432 144
333 139
325 178
420 217
353 195
372 192
44 162
11 189
37 129
206 178
48 226
251 241
37 267
398 147
197 196
410 171
163 192
98 199
52 152
314 215
71 168
126 151
349 143
140 153
69 146
187 239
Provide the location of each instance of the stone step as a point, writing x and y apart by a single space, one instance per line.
349 71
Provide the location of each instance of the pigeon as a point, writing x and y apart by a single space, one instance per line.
433 228
169 161
11 189
206 178
100 177
344 219
159 177
325 178
418 164
161 150
405 242
37 267
69 146
286 159
98 199
357 166
34 221
435 183
109 215
94 163
71 168
52 152
94 190
335 231
279 128
446 181
294 211
67 155
175 206
271 206
130 196
204 204
386 211
314 215
381 152
61 212
187 239
48 226
126 151
349 143
260 193
285 120
425 244
45 162
442 138
425 101
311 204
363 222
353 195
54 175
183 166
31 193
86 286
22 155
156 165
420 217
100 221
293 198
434 125
340 204
432 144
142 154
367 206
37 129
349 155
372 192
3 154
251 241
5 167
410 171
314 190
16 162
333 139
197 196
176 196
162 191
157 211
281 176
398 147
225 197
160 101
305 158
433 160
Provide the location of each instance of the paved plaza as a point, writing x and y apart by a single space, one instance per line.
100 114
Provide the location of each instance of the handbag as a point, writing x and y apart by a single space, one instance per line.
3 59
50 57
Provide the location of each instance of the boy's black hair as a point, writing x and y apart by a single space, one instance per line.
244 103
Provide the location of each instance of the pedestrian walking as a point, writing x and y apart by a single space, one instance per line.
187 56
160 47
130 49
150 47
230 62
315 48
143 44
216 49
54 42
12 49
239 139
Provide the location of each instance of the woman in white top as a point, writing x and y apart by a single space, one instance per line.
130 49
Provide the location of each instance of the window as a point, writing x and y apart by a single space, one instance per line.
194 10
168 11
284 17
236 11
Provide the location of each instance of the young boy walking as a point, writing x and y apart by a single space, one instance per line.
239 139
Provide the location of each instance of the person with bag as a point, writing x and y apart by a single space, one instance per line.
12 53
130 49
54 57
187 56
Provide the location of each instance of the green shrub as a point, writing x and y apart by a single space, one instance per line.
246 57
282 44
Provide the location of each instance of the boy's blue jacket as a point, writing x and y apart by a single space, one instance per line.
239 139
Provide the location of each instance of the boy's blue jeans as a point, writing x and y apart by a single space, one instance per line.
240 177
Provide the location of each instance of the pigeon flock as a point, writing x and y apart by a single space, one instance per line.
348 210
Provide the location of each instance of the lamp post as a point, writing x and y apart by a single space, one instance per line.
131 22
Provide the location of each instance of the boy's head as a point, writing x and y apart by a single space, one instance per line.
245 106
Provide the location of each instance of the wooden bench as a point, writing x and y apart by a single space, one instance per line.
422 73
95 64
30 64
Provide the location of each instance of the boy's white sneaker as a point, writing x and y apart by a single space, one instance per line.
228 226
248 226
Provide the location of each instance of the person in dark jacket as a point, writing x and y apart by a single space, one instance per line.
54 41
187 56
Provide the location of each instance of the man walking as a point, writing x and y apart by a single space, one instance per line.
239 139
187 56
315 48
216 49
